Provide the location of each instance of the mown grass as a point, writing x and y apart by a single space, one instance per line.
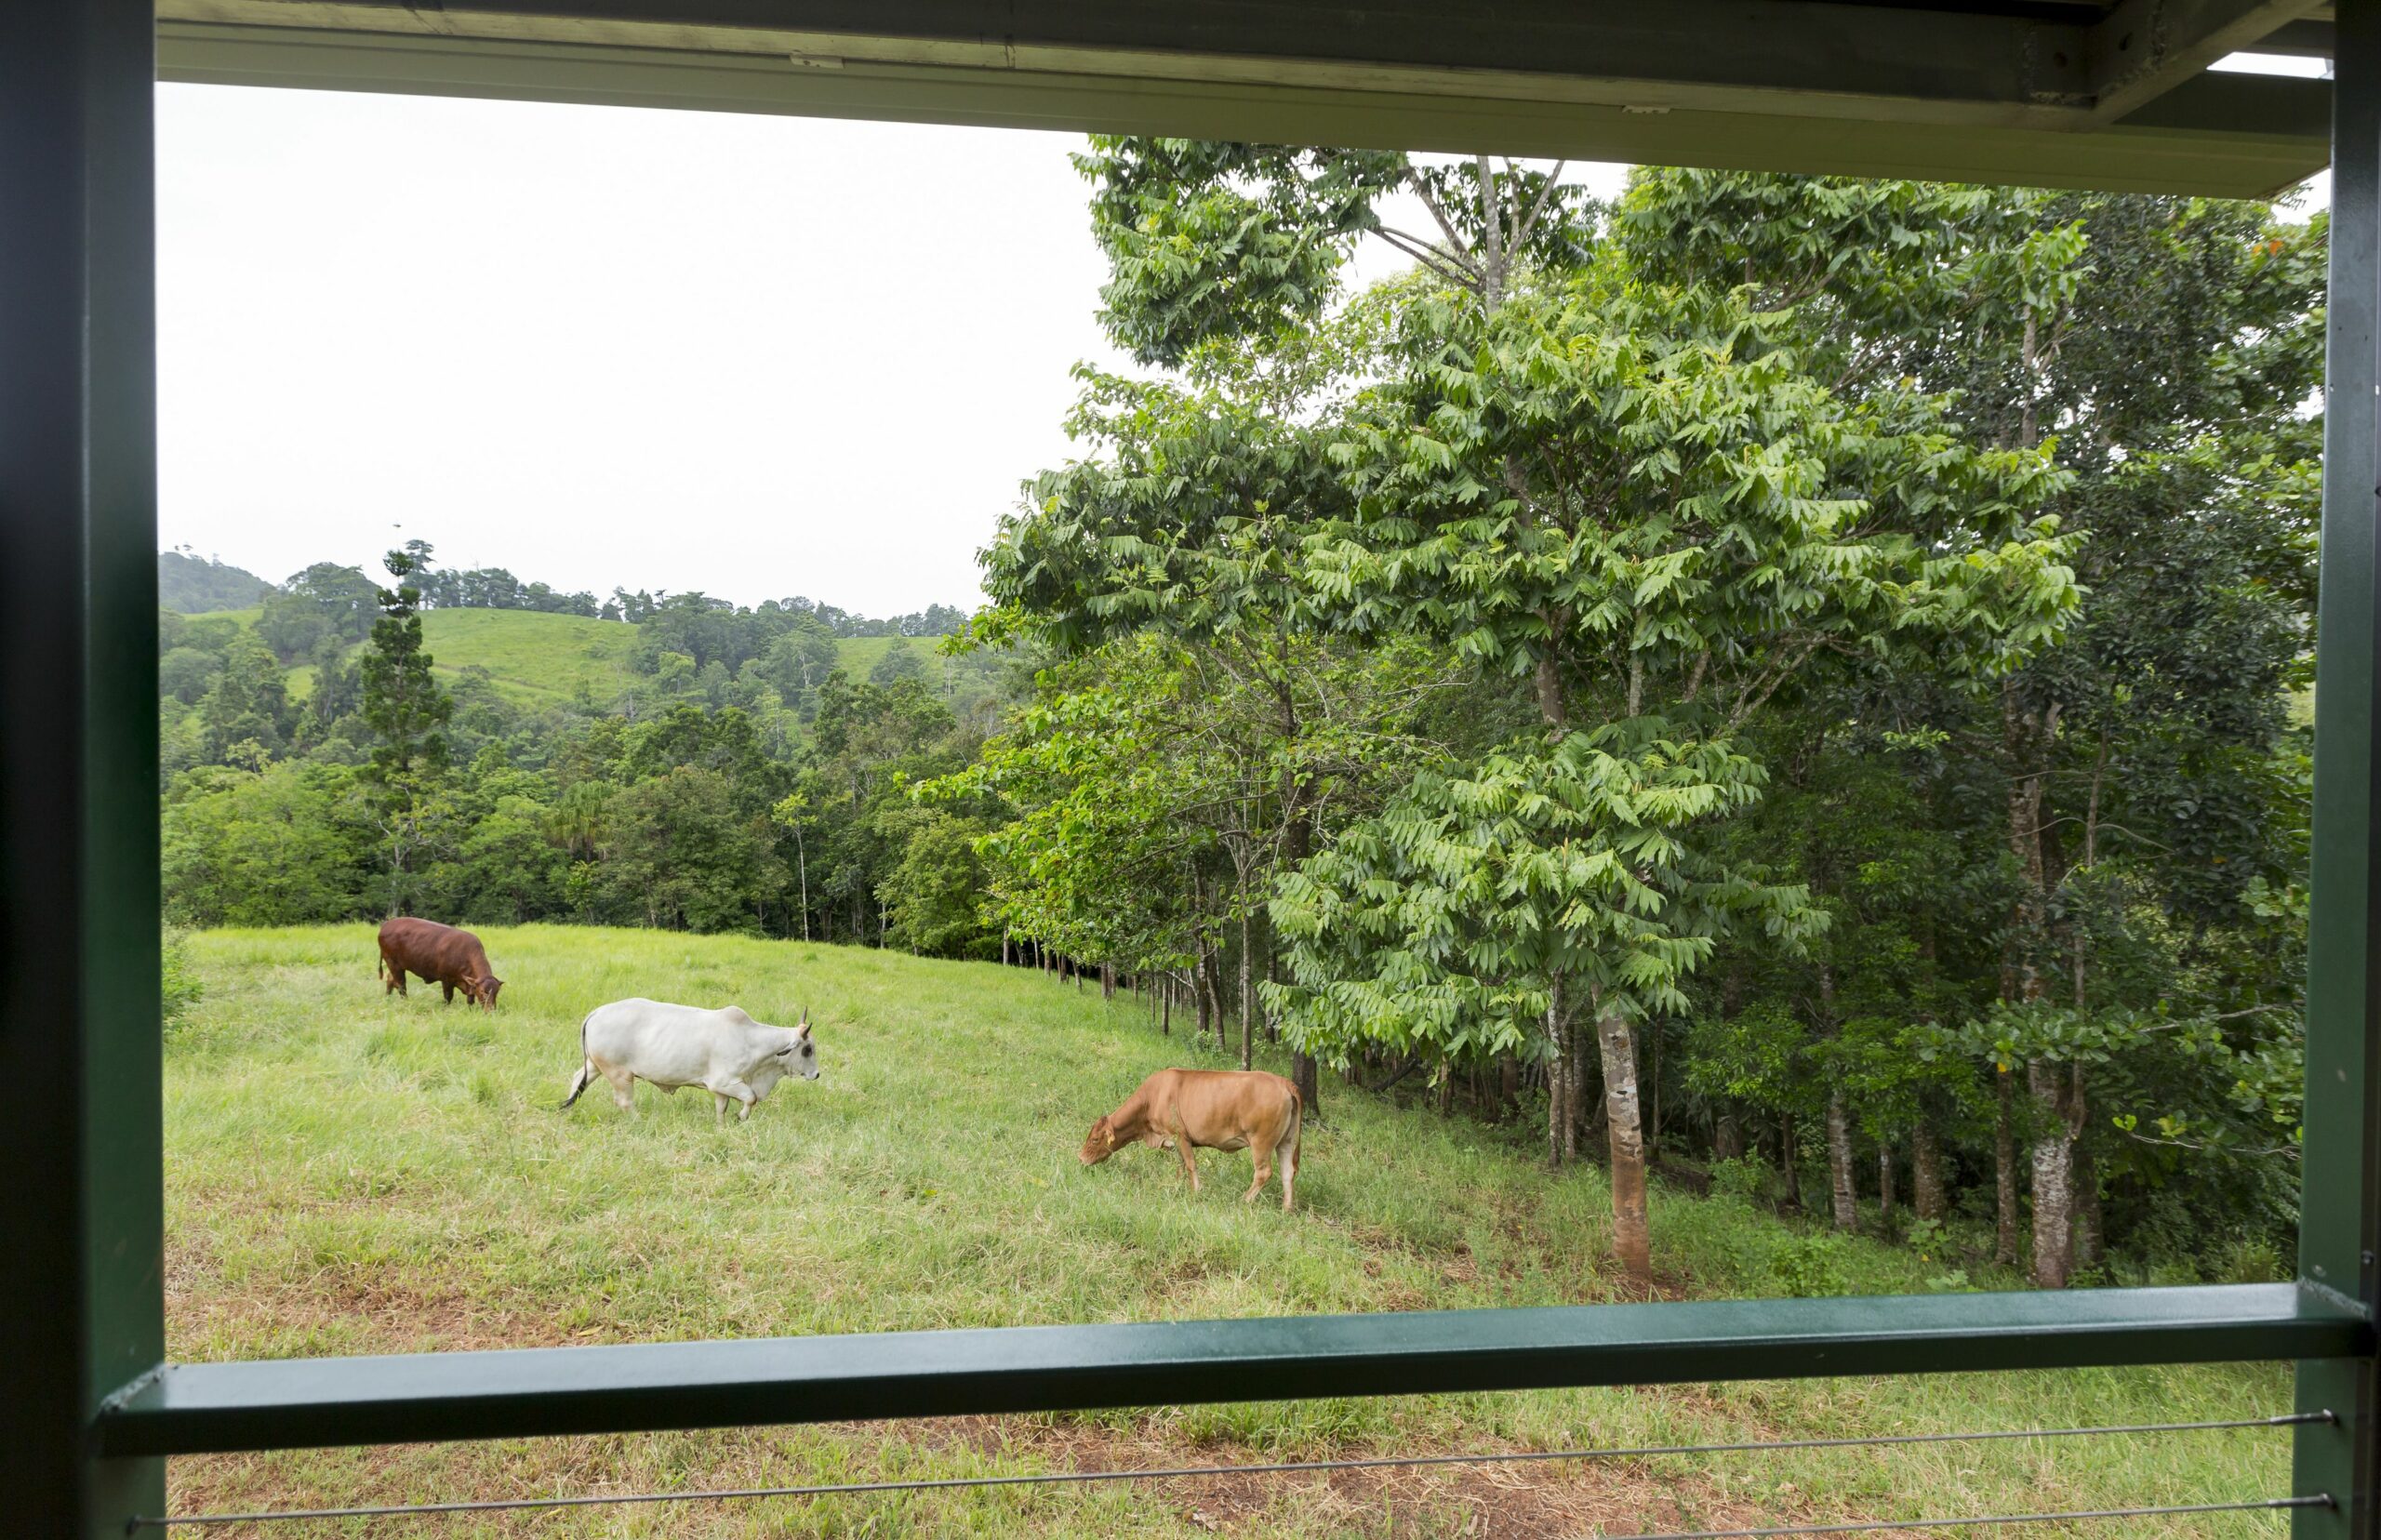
347 1173
537 660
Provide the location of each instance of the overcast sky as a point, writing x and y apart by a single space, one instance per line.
757 356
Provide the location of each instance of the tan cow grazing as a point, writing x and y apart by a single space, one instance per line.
1187 1109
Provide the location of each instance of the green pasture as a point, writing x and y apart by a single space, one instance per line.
349 1173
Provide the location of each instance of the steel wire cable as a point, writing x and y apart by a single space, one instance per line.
1384 1461
1870 1526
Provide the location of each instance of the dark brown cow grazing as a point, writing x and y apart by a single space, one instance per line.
1209 1109
436 954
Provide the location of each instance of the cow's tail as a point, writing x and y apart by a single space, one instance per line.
586 1076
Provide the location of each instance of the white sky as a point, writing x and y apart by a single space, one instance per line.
757 356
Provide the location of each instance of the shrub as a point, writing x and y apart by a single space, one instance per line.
182 989
1810 1266
1743 1177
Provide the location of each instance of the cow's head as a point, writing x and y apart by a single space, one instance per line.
1101 1143
483 990
800 1055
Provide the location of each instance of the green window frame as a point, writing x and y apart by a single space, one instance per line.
95 1409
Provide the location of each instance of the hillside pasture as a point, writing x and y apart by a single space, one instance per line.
349 1173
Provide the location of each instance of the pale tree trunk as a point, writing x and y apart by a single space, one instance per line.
1885 1189
1926 1171
1107 981
1843 1182
2053 1178
1631 1239
1844 1193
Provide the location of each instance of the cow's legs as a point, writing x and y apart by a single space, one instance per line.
1287 1154
1189 1160
622 1083
449 988
1260 1158
734 1090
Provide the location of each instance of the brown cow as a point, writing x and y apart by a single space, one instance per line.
436 954
1185 1110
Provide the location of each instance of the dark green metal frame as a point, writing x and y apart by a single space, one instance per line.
92 1408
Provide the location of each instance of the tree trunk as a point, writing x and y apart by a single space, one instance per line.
1574 1090
1247 992
1166 1021
1308 1080
1843 1192
1926 1171
1508 1084
2053 1178
2090 1243
1107 981
2005 1170
1631 1242
1884 1189
1557 1105
1727 1139
1790 1167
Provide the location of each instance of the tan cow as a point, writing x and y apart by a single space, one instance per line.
1187 1109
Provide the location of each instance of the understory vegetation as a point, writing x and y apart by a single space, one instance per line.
349 1173
1796 684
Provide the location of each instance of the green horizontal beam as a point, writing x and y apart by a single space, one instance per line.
2204 136
207 1408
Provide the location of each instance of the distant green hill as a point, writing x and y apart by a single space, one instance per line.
191 585
544 659
538 659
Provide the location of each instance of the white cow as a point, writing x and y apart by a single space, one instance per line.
736 1059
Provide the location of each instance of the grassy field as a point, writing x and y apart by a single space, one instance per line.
545 660
538 659
350 1174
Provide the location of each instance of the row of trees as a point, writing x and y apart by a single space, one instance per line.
1775 657
693 800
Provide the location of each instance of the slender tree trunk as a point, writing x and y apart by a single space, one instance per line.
2090 1243
1166 1021
1508 1084
1844 1193
1557 1095
1247 991
1788 1166
1107 981
1885 1189
1926 1171
2053 1178
1007 955
1632 1240
802 871
2004 1169
1575 1065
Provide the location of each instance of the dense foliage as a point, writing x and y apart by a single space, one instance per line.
1877 609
